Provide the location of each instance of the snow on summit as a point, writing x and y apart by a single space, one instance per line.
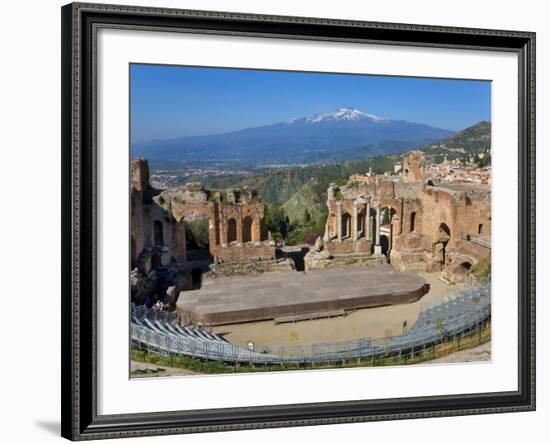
340 114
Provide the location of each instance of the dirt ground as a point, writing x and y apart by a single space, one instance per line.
369 322
475 354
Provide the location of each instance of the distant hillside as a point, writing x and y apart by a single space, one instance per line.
311 196
473 140
344 134
281 185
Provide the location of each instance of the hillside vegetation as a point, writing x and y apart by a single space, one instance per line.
473 140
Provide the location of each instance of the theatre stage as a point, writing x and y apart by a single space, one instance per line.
275 295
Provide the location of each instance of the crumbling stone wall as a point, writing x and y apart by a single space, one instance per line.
413 166
424 223
236 221
156 237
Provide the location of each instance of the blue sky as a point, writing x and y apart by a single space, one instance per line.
175 101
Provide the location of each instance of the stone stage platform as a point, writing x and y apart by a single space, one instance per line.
230 300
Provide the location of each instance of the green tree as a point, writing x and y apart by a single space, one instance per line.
276 221
196 233
307 217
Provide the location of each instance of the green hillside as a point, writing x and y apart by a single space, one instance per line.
281 185
473 140
307 203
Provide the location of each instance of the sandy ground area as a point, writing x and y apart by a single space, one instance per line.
369 322
148 370
475 354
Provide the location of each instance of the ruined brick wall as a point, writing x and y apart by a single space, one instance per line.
248 219
439 207
190 210
476 214
408 190
156 237
412 216
470 248
413 166
462 212
348 247
386 192
139 174
420 215
243 253
137 236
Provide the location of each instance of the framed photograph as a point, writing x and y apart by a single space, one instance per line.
278 221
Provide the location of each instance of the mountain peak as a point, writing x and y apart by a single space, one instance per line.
341 114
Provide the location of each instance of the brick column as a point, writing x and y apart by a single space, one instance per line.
256 232
368 231
339 220
377 247
239 223
222 222
354 221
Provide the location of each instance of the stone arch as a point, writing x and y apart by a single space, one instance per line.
389 211
459 273
264 232
384 244
412 222
440 244
346 225
391 208
444 230
361 222
231 230
332 225
247 229
158 233
430 183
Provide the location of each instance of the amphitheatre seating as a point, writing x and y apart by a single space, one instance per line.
448 319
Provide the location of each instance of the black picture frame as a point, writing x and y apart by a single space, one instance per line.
79 386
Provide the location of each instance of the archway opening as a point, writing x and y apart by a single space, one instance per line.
480 229
158 234
430 183
443 236
346 225
444 230
247 229
231 230
389 227
197 238
384 244
413 221
361 223
463 269
264 232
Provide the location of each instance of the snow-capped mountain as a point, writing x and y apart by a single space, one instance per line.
343 134
342 114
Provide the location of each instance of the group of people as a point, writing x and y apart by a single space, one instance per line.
159 306
156 306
